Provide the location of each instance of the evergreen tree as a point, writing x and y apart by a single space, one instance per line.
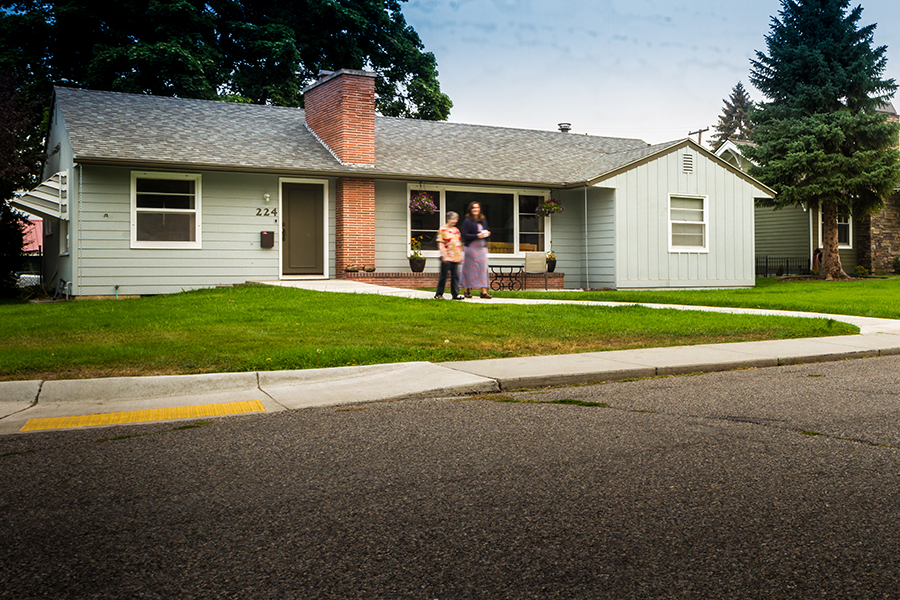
734 122
819 140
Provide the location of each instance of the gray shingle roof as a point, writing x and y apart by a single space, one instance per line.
129 128
457 151
132 127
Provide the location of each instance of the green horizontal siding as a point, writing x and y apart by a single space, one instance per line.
782 233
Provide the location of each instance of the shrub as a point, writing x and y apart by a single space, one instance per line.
860 271
896 265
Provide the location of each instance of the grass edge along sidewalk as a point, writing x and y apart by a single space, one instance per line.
262 328
877 297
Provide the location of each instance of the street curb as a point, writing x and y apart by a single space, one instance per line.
594 367
368 383
137 388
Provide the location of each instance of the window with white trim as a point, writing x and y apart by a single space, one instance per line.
165 210
845 231
688 231
515 227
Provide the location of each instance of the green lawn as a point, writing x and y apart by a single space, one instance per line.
863 297
250 328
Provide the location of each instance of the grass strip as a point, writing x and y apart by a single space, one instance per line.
861 297
262 328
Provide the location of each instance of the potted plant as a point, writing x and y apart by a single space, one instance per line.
548 207
551 261
416 260
422 202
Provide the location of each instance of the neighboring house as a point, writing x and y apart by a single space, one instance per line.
33 237
32 250
787 238
731 152
150 195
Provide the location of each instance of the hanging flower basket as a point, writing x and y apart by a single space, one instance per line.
422 202
548 207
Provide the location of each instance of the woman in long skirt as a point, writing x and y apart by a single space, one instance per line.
475 233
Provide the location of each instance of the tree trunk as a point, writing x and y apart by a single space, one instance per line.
831 258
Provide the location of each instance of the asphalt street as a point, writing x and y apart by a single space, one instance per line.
769 483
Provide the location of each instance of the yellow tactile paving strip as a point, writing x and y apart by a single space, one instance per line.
139 416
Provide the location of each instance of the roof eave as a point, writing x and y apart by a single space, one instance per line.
337 172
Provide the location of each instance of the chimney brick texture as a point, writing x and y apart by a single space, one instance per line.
340 109
354 223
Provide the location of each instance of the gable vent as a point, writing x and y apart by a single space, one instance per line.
687 162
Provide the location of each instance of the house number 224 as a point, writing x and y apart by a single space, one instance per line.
266 212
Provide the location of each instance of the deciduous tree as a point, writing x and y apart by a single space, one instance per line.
264 51
20 157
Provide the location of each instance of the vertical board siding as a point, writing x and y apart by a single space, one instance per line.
230 252
643 259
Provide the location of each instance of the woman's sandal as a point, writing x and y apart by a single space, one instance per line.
486 296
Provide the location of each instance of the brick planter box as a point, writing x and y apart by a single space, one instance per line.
411 281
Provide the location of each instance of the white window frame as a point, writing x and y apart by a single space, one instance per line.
198 221
705 222
442 210
848 222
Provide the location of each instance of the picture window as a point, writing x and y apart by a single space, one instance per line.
515 227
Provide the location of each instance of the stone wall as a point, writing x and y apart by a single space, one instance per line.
878 238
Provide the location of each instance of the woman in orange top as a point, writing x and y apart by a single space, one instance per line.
450 246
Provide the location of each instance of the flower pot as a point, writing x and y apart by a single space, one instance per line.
417 265
551 266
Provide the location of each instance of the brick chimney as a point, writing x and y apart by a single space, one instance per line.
340 110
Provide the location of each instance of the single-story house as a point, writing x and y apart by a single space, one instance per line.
787 238
151 195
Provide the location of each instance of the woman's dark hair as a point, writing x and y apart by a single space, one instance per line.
480 216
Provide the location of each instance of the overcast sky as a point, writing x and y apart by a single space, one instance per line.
649 69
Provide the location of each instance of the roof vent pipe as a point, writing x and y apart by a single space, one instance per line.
565 127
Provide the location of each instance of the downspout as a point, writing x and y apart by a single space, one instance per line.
75 255
587 262
812 250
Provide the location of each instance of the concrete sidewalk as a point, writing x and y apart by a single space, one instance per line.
46 405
